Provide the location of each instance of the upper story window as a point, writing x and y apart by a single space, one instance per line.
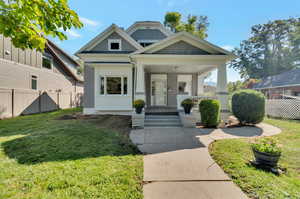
114 44
146 43
47 61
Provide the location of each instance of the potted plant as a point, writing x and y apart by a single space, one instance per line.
139 105
187 105
266 152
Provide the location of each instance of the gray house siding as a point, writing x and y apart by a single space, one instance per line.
182 48
148 34
89 87
103 45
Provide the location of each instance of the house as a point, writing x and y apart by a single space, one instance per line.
147 61
26 75
284 85
29 69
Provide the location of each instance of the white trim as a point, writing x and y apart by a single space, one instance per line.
119 41
105 85
148 25
100 37
147 41
288 85
187 37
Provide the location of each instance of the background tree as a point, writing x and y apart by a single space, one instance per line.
28 22
196 25
271 49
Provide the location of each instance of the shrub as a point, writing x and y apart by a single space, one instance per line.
187 104
139 105
267 145
210 112
248 106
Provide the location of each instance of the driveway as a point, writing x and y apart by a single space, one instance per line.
177 163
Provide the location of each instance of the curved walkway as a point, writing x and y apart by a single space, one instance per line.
177 163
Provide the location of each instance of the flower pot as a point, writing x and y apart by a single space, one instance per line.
138 110
187 109
266 158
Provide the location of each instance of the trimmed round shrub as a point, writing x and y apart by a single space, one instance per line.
187 105
248 106
210 112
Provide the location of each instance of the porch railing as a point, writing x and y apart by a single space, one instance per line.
196 99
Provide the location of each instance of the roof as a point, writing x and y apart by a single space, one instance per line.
285 79
67 62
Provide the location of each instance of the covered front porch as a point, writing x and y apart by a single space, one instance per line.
163 81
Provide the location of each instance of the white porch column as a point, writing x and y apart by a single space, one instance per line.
140 82
222 93
201 78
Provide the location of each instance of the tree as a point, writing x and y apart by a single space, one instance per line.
196 25
28 22
271 49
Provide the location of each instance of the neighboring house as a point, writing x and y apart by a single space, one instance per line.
25 73
29 69
148 62
284 85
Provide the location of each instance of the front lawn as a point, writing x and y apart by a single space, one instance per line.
48 156
234 155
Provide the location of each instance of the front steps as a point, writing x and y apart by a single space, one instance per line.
162 121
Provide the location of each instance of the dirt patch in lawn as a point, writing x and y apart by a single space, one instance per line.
118 123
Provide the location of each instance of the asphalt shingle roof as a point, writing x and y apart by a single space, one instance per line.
288 78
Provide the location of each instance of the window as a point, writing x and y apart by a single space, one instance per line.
114 44
145 44
101 85
125 85
47 62
113 85
34 82
184 84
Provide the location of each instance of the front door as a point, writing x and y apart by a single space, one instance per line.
158 89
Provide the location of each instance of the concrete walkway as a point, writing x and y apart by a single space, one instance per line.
177 164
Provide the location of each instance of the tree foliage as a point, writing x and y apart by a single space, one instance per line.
271 49
196 25
28 22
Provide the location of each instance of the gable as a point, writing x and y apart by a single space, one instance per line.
182 48
148 34
102 47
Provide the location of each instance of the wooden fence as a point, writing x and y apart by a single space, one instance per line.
15 102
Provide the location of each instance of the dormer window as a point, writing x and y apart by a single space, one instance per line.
114 44
146 43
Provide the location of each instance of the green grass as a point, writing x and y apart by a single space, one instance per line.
234 155
42 157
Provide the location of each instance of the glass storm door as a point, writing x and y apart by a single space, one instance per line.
158 90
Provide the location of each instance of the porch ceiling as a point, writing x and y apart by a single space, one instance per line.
179 68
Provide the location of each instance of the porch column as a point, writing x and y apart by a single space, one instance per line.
140 82
201 78
222 93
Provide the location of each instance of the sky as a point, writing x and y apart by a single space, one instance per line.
230 20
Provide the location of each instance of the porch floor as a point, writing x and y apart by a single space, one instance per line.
161 110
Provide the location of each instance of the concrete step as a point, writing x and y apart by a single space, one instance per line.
161 117
162 121
162 124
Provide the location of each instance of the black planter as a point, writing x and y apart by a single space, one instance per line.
187 109
266 158
138 110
